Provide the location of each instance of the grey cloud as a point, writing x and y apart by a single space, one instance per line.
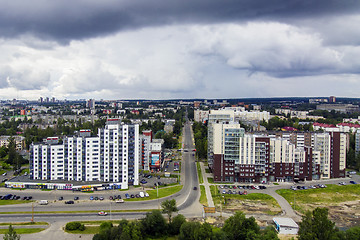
66 20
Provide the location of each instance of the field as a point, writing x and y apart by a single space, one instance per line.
343 202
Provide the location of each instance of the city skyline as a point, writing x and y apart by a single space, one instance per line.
178 50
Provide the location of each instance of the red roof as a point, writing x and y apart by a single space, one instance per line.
324 125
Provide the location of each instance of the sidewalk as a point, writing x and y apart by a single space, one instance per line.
206 185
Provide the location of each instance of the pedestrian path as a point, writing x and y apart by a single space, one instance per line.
207 186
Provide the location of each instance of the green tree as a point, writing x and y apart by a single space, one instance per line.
175 225
239 227
11 234
154 224
187 230
315 225
168 207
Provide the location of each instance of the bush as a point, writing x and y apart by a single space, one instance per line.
82 227
71 226
105 226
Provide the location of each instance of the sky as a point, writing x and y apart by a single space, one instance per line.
175 49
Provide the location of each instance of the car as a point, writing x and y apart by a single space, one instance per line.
101 198
119 201
143 181
17 197
69 202
195 188
76 198
293 188
24 198
61 198
4 174
353 182
132 196
341 183
137 195
91 198
29 198
102 213
96 198
127 195
149 177
118 197
111 198
146 194
224 191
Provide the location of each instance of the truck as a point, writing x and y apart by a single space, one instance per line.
43 202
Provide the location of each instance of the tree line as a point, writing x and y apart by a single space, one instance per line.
200 137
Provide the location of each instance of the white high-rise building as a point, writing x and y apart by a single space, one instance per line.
112 156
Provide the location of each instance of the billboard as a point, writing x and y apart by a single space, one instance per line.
155 160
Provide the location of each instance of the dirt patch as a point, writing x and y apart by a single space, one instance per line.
252 207
345 214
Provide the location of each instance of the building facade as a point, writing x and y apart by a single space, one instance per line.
111 156
241 157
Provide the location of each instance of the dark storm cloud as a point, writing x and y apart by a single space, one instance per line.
66 20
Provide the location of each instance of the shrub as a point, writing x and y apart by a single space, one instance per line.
71 226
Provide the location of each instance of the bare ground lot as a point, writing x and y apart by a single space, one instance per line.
343 202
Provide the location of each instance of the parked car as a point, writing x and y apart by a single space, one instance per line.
195 188
91 198
146 194
69 202
76 198
353 182
101 198
342 183
127 195
61 198
102 213
119 201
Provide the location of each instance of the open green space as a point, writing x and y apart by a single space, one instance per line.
24 223
210 180
163 192
207 170
11 202
23 230
332 194
201 180
203 198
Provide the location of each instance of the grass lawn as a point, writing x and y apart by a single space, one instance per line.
332 194
203 199
25 223
210 180
201 180
11 202
23 230
207 170
163 192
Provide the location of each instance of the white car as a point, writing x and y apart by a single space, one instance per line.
146 194
119 201
102 213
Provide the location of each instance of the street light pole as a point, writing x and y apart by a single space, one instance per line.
110 210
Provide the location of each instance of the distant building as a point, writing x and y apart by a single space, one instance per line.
341 108
332 99
19 141
201 115
318 100
90 103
